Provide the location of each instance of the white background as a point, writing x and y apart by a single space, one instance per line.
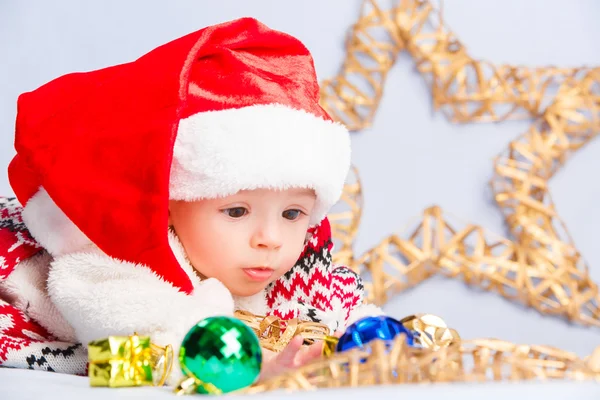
411 158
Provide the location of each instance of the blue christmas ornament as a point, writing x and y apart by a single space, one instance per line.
370 328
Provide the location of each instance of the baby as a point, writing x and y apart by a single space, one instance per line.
191 182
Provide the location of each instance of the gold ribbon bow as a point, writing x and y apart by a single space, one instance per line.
274 333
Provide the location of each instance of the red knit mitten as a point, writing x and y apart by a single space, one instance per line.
315 289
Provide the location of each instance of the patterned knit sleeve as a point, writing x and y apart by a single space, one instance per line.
25 343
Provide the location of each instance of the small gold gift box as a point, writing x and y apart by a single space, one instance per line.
125 361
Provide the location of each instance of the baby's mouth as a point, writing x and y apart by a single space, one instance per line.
259 274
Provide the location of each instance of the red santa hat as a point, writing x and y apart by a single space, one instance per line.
229 107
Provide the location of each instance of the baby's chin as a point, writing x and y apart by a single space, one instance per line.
247 290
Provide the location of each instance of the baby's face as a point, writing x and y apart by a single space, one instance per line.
246 240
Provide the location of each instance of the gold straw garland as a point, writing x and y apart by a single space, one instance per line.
472 361
540 268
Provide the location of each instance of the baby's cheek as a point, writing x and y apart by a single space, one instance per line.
290 262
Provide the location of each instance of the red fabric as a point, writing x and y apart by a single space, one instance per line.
101 142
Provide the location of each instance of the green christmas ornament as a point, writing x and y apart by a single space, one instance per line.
219 355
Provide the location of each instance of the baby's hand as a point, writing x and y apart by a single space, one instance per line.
293 356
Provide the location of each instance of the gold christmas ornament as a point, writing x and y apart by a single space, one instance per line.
430 331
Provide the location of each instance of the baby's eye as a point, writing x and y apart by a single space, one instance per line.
292 214
236 212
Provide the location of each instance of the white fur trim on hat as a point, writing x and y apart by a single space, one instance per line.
219 153
50 227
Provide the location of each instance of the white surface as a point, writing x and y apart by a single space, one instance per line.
410 159
35 385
